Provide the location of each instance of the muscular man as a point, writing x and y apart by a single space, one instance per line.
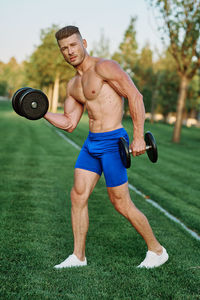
100 86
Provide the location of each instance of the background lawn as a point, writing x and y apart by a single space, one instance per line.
35 182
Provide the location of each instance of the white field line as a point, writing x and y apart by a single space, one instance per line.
67 139
166 213
150 201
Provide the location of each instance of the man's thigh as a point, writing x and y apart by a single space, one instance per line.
119 192
114 171
85 181
88 162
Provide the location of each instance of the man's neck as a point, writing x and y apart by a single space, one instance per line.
85 65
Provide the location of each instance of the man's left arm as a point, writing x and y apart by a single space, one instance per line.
119 80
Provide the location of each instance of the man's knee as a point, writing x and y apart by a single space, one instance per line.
79 197
120 198
119 202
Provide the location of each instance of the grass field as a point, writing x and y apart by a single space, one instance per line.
35 182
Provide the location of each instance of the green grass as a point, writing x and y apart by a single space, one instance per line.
35 182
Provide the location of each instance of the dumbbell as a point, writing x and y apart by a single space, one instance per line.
30 103
151 149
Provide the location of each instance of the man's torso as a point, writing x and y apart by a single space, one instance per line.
104 105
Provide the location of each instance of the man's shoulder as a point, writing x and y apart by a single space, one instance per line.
70 85
102 62
104 67
72 81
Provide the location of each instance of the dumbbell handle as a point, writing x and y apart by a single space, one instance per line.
147 148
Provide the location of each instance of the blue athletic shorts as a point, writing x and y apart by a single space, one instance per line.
100 153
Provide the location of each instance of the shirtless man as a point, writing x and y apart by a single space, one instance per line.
100 86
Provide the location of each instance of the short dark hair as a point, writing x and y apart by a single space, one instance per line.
66 32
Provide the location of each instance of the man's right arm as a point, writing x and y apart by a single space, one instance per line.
67 121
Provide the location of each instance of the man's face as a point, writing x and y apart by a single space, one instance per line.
73 49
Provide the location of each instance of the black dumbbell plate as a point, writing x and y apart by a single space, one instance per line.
153 151
34 104
124 152
15 100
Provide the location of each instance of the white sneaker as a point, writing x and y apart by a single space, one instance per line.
153 260
71 261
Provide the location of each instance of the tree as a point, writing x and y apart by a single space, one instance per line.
127 55
167 84
193 105
3 88
11 77
168 90
101 48
182 25
146 79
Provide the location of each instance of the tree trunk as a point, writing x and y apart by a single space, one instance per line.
179 109
153 105
55 93
50 95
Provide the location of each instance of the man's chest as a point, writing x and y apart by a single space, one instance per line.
86 87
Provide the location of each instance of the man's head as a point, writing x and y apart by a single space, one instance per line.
67 31
71 44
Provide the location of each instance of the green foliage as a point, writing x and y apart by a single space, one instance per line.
101 48
145 76
193 103
182 26
168 85
3 88
11 77
157 81
127 54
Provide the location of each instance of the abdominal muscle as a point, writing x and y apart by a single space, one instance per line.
106 111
